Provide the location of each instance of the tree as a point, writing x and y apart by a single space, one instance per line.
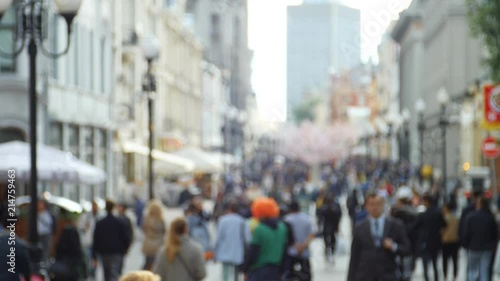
305 111
484 21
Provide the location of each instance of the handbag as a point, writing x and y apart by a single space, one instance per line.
62 270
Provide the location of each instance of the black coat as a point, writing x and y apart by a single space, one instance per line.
69 250
408 215
480 231
369 263
110 237
463 218
331 215
429 226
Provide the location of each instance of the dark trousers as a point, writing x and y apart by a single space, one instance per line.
266 273
450 250
330 242
430 257
492 263
111 265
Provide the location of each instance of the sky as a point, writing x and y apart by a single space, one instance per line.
267 28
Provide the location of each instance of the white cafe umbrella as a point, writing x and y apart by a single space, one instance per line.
53 165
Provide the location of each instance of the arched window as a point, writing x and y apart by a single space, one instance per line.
11 134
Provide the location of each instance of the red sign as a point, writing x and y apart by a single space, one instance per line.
490 148
491 106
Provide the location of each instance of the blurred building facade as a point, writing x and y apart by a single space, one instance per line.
322 38
222 27
75 93
436 51
178 100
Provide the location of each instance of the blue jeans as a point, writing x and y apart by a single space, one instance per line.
478 268
266 273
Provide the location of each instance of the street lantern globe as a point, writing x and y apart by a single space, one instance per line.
68 6
150 47
420 105
443 97
242 117
4 6
406 114
232 113
68 10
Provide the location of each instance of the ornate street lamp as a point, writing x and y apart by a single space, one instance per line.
31 14
443 99
151 50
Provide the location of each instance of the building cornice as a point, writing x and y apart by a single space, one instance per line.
402 26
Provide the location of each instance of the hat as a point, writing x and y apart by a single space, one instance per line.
404 192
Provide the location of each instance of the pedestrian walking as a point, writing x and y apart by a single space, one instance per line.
406 213
46 229
451 243
480 238
181 259
20 269
86 226
139 210
70 259
269 242
198 228
141 275
376 243
430 225
331 214
353 206
155 229
111 241
233 235
299 267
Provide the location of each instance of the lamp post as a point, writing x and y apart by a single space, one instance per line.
420 108
230 114
406 115
150 48
242 119
443 99
32 15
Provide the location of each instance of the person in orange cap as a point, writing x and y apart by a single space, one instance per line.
269 242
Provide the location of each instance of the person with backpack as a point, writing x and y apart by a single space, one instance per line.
304 233
268 246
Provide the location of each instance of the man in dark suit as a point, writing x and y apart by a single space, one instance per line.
111 242
376 243
430 224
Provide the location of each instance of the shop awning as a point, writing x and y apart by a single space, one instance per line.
53 165
166 163
204 161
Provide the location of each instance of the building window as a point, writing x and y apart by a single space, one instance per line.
12 134
55 39
7 43
100 146
103 65
88 145
215 27
56 136
76 55
73 140
91 60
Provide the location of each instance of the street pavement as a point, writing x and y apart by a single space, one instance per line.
322 269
